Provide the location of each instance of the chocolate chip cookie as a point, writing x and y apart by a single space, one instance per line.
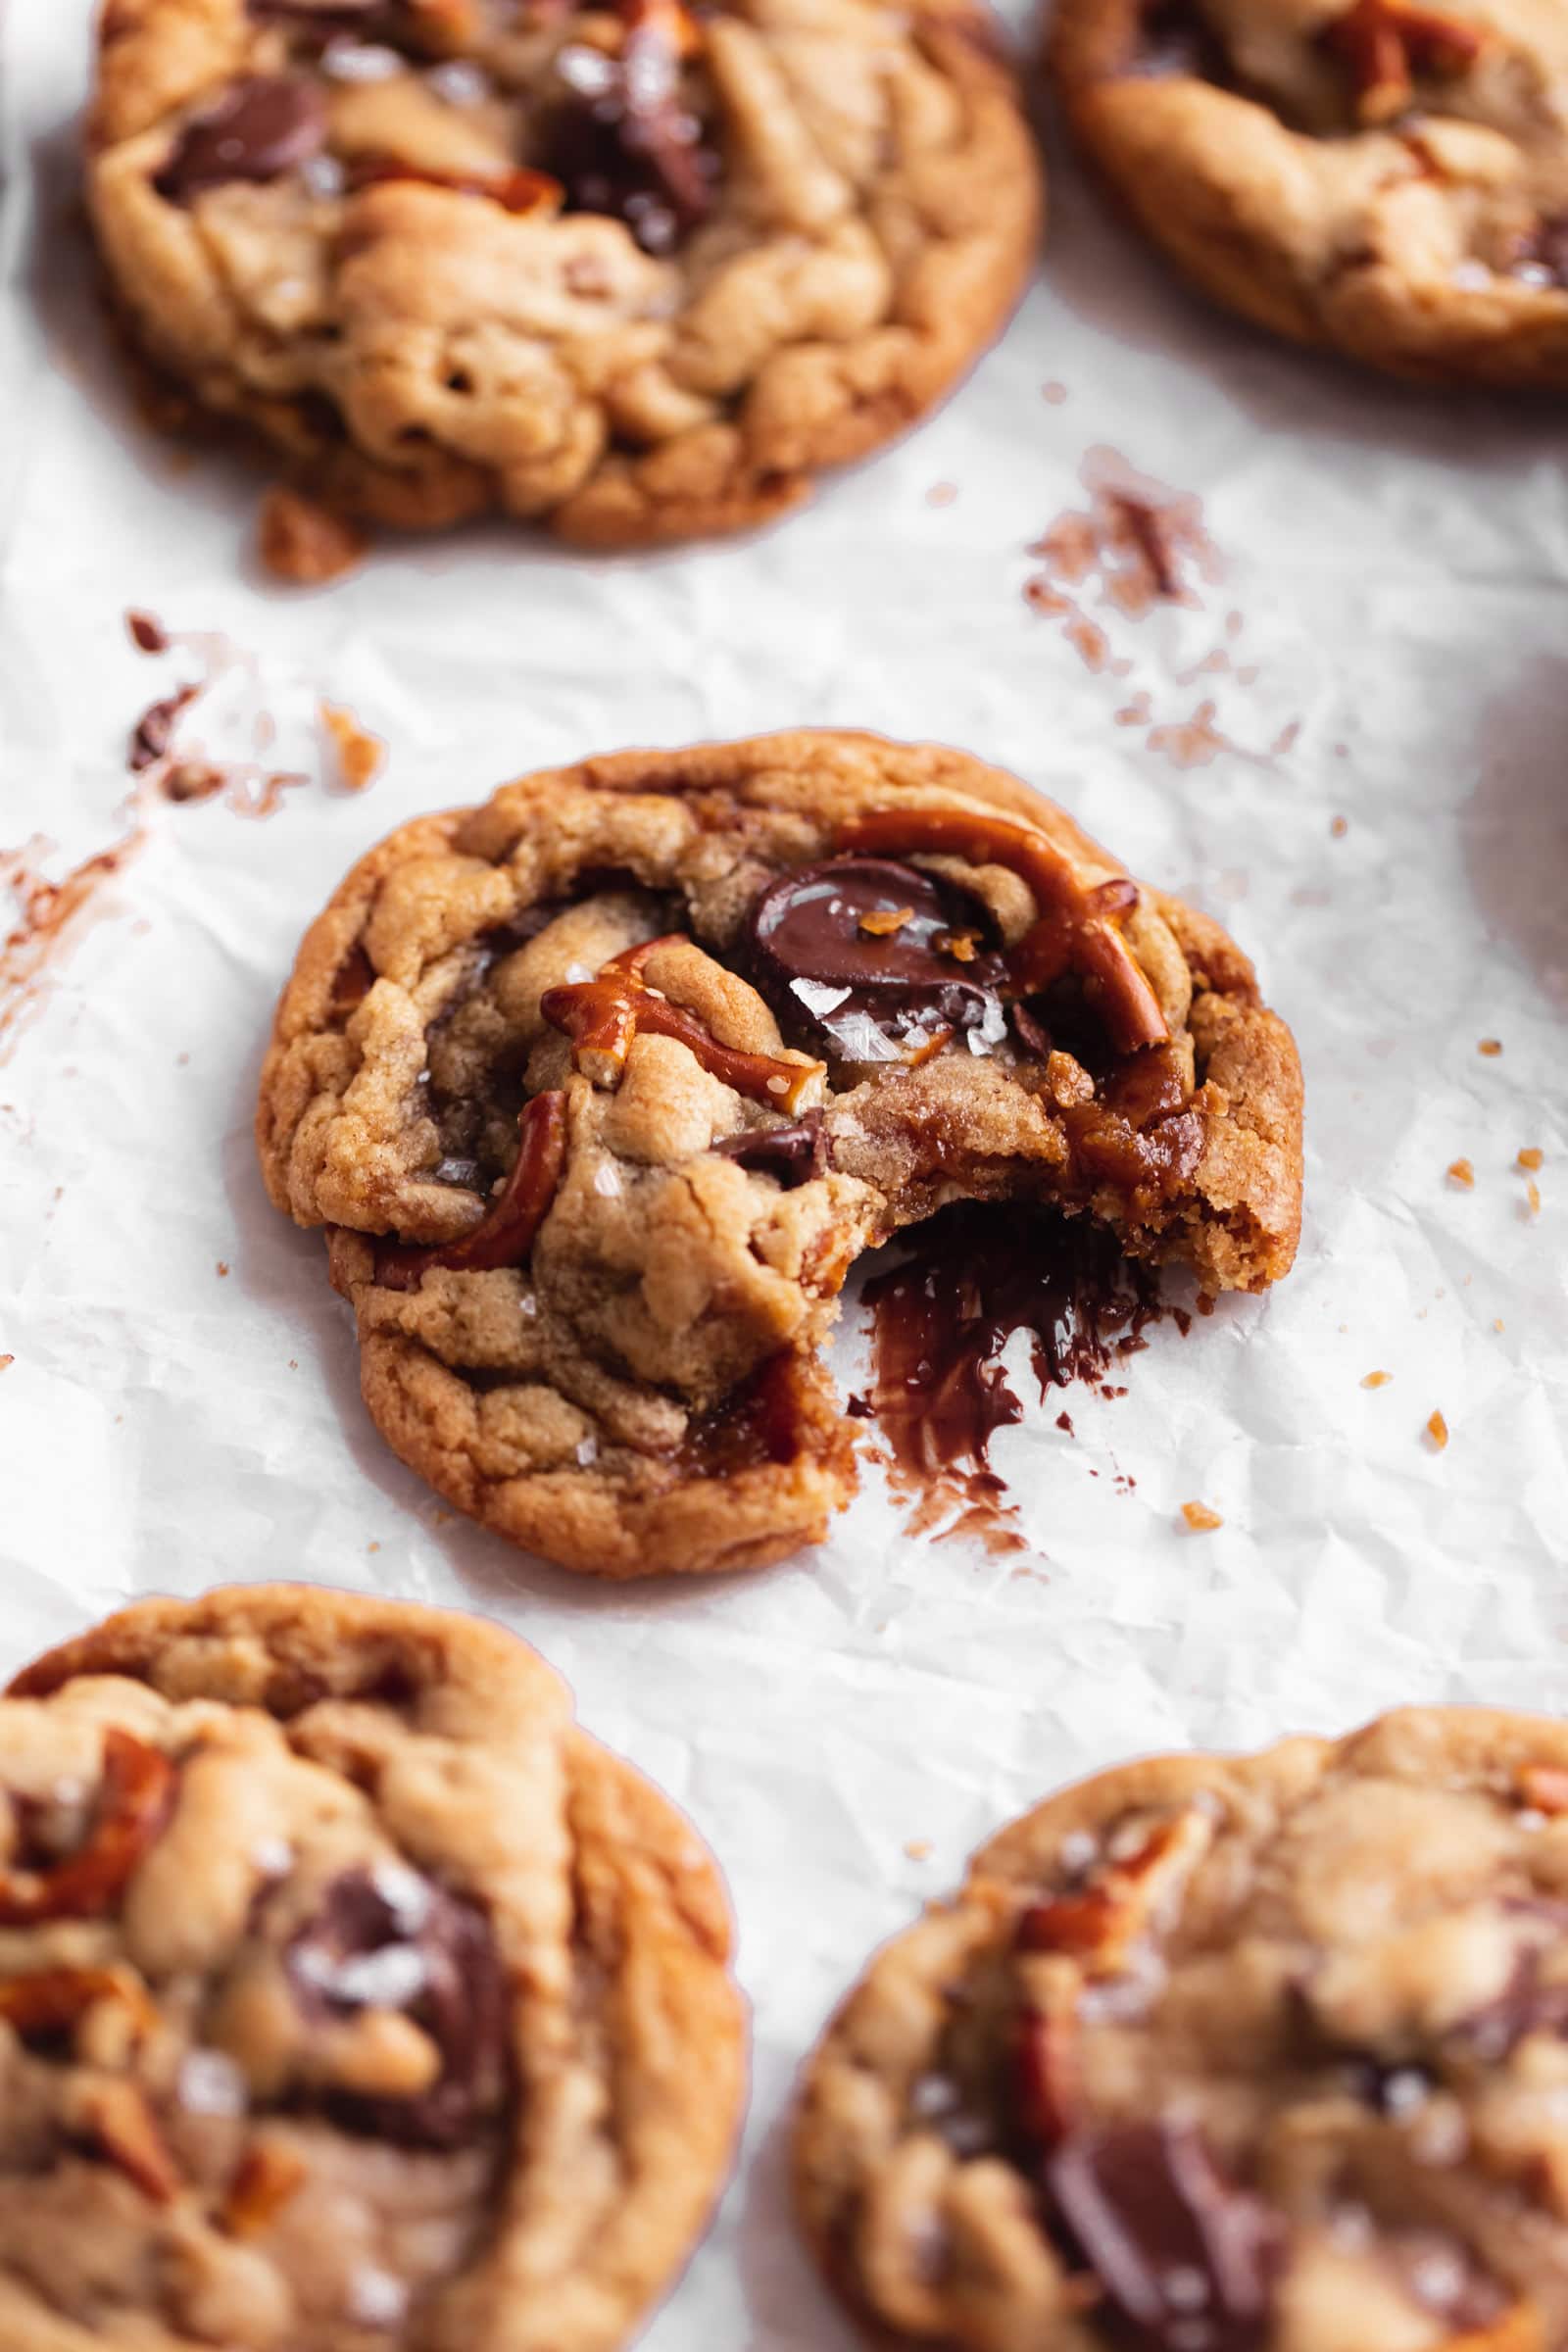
350 1996
1224 2056
1384 176
601 1088
634 273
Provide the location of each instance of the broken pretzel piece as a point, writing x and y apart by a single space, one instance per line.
1101 1924
1385 43
1074 927
602 1016
117 2117
506 1236
134 1805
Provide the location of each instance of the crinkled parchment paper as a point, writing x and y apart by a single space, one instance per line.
1390 838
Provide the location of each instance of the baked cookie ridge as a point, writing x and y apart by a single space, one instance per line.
633 273
602 1087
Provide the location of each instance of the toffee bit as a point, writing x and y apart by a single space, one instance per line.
1437 1431
1200 1519
1490 1047
961 946
1533 1196
1377 1380
1530 1158
359 755
1463 1173
883 922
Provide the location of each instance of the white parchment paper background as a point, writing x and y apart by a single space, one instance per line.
1400 566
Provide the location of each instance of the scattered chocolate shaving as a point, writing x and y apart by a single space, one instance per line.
414 1950
1187 2258
147 634
505 1234
263 126
154 731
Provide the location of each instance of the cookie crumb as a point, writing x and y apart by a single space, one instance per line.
1201 1520
919 1849
222 1267
303 543
6 1362
1377 1380
1498 1323
1530 1157
1437 1431
1463 1173
372 1548
1533 1196
360 755
1339 827
1490 1047
941 494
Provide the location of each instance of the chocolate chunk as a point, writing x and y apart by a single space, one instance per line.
1186 2259
826 950
260 129
1175 39
620 140
389 1938
793 1153
1527 2004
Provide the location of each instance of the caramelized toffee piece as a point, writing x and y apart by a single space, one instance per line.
1375 177
403 1961
134 1799
1384 44
602 1016
1216 2055
1075 924
877 961
505 1234
260 129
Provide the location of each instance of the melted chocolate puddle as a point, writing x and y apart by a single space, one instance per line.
941 1318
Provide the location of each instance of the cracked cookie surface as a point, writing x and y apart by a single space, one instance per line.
1386 177
602 1087
351 1998
636 275
1217 2055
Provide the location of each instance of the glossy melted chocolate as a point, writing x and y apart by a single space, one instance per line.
826 951
259 129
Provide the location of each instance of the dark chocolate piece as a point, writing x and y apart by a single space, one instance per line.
825 950
261 128
390 1939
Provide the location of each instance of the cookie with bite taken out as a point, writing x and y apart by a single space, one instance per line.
601 1088
351 1998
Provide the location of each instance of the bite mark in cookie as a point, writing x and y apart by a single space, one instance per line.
378 1961
1220 2056
634 273
1377 175
740 1046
